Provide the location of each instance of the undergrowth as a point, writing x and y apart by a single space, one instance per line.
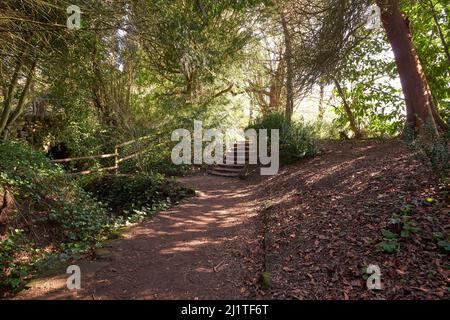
433 149
297 139
132 198
46 216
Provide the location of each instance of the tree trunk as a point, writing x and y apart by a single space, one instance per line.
10 94
439 30
321 102
348 111
20 105
289 68
414 83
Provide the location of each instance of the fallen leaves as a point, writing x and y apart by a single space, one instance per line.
323 241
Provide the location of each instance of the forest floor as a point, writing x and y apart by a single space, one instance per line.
324 217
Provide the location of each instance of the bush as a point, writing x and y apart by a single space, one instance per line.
53 217
297 139
156 158
433 149
132 198
51 213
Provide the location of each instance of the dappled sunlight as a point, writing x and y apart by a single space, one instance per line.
186 246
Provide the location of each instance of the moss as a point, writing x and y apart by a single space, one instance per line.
264 280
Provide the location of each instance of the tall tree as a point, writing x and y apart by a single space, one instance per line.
419 102
325 33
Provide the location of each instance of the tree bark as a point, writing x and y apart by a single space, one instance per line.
348 110
20 105
289 68
412 77
321 102
9 95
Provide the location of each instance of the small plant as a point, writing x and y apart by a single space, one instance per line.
364 273
408 227
437 236
389 244
268 204
444 245
405 210
433 148
264 280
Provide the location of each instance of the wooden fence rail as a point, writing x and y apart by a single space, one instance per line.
115 155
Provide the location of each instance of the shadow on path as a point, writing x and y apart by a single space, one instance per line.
190 251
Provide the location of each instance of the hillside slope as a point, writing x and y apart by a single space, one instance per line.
325 217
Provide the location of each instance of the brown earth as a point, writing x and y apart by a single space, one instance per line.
187 252
324 220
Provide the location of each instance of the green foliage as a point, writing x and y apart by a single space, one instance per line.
389 244
444 245
297 139
154 156
132 198
327 129
389 235
433 149
264 280
46 200
430 47
402 227
369 79
192 39
11 272
33 179
408 227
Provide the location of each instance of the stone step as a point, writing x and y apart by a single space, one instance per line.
239 148
229 153
238 163
230 169
234 169
230 165
224 174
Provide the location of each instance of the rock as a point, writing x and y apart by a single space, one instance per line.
103 254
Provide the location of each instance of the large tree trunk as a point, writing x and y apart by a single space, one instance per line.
419 103
289 68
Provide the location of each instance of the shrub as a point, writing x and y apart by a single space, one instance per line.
135 197
51 213
297 139
433 149
156 158
53 217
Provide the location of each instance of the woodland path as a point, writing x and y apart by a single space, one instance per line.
186 252
325 213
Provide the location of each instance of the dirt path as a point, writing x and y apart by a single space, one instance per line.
187 252
324 222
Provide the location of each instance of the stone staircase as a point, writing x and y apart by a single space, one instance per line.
234 168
